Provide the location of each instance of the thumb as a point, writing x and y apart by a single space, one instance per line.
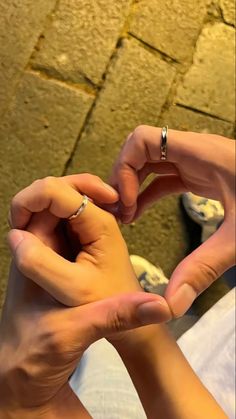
120 313
202 267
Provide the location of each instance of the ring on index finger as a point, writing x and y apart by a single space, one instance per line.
80 209
164 137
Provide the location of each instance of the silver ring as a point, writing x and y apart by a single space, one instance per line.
164 137
80 209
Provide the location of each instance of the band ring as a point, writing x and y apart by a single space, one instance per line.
164 137
80 209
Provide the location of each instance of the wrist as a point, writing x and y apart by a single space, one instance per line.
142 353
22 413
64 404
138 339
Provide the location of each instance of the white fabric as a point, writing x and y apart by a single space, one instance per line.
104 386
209 347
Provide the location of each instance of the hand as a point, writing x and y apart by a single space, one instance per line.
42 342
51 229
101 266
42 339
200 163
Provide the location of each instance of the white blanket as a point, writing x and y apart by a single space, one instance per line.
209 347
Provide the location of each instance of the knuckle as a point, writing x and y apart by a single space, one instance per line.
49 188
36 181
14 201
55 343
22 261
26 258
50 336
207 275
139 131
85 176
97 178
56 339
210 273
89 177
117 321
93 179
48 185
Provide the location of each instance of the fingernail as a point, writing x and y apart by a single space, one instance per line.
15 238
127 213
126 219
110 188
182 300
154 312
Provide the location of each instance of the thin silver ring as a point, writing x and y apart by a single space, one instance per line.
164 137
80 209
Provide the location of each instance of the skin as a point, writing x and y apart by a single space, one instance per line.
52 315
201 163
41 207
42 342
43 313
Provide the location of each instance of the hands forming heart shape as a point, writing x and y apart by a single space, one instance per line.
72 282
191 166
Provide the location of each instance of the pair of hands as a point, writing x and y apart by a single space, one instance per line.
50 315
102 269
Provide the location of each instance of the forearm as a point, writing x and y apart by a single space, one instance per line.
166 384
64 405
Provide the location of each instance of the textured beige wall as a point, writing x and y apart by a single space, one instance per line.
77 77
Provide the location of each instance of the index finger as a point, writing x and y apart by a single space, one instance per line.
61 200
125 175
36 197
